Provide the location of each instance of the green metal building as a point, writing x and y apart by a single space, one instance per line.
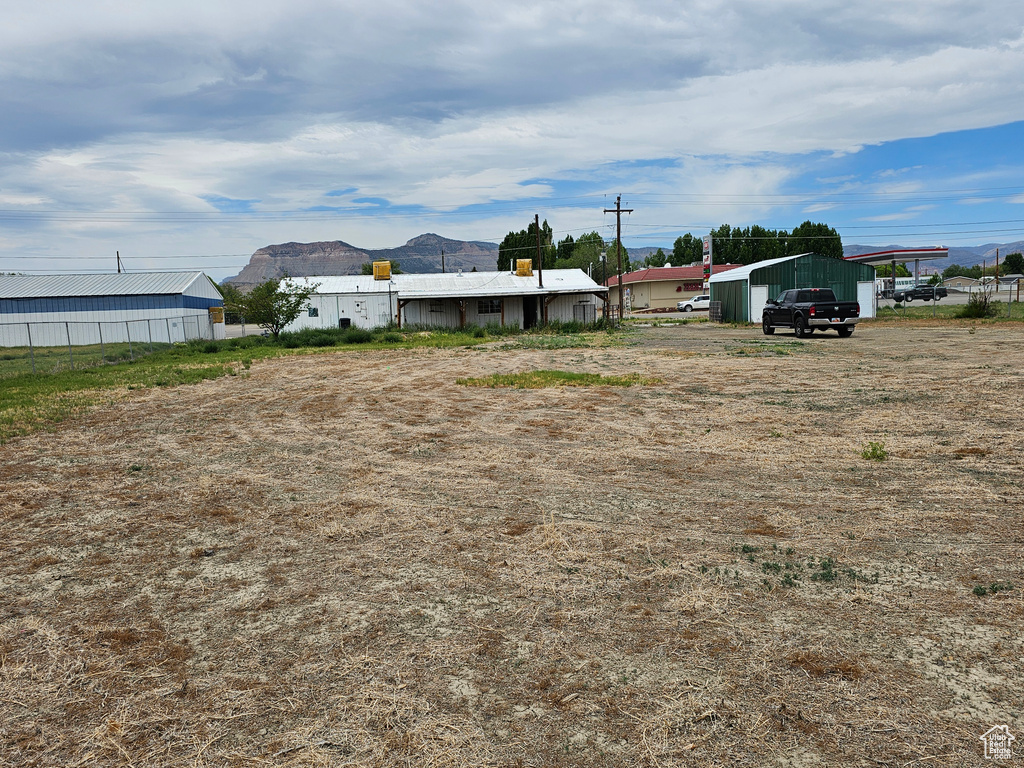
745 290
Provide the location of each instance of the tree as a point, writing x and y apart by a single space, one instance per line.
656 259
955 270
613 259
815 238
231 296
366 268
885 270
1013 264
271 305
523 245
687 249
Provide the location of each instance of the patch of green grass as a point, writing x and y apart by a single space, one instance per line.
874 452
544 379
994 588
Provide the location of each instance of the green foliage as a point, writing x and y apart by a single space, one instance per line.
584 253
815 238
523 245
657 259
885 270
687 249
979 305
1013 264
271 306
874 452
755 243
994 588
955 270
613 258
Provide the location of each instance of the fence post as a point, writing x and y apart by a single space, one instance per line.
128 331
167 320
149 328
31 349
103 351
71 357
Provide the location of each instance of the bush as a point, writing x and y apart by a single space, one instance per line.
355 335
392 337
874 452
978 306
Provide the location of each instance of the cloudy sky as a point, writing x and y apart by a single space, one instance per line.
189 134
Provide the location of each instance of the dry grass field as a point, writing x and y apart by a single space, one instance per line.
350 559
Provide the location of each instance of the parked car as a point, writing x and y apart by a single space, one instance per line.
925 292
695 303
807 309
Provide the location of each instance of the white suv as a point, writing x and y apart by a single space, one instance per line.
696 303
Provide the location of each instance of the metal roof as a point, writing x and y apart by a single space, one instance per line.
900 255
651 274
452 284
115 284
743 273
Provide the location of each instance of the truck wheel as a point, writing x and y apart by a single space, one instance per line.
798 327
687 308
767 327
845 332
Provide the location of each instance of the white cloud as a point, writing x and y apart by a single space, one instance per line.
142 107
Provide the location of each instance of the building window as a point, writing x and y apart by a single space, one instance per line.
488 307
437 306
314 312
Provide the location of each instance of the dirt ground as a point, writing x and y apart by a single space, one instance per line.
350 559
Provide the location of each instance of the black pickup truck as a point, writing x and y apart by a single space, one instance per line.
923 292
804 309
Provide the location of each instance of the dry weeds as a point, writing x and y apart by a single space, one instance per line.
350 560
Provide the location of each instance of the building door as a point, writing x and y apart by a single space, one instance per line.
758 298
529 311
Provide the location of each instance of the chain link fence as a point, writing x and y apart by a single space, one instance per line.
54 346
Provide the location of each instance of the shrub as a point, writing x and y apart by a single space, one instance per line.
978 305
355 335
874 452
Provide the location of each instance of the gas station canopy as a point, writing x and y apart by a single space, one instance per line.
900 255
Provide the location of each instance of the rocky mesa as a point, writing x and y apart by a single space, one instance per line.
336 257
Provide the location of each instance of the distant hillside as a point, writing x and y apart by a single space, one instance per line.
422 254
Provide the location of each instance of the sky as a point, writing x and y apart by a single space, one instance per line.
187 135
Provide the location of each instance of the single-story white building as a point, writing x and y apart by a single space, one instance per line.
451 300
57 310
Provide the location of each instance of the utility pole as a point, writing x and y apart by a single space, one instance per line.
618 210
118 262
540 260
442 261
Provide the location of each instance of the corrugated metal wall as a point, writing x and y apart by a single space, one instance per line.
813 271
733 295
370 310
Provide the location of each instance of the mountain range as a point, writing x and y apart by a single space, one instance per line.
423 254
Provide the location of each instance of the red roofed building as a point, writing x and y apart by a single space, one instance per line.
661 287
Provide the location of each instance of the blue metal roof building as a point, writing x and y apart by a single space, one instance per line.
77 309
